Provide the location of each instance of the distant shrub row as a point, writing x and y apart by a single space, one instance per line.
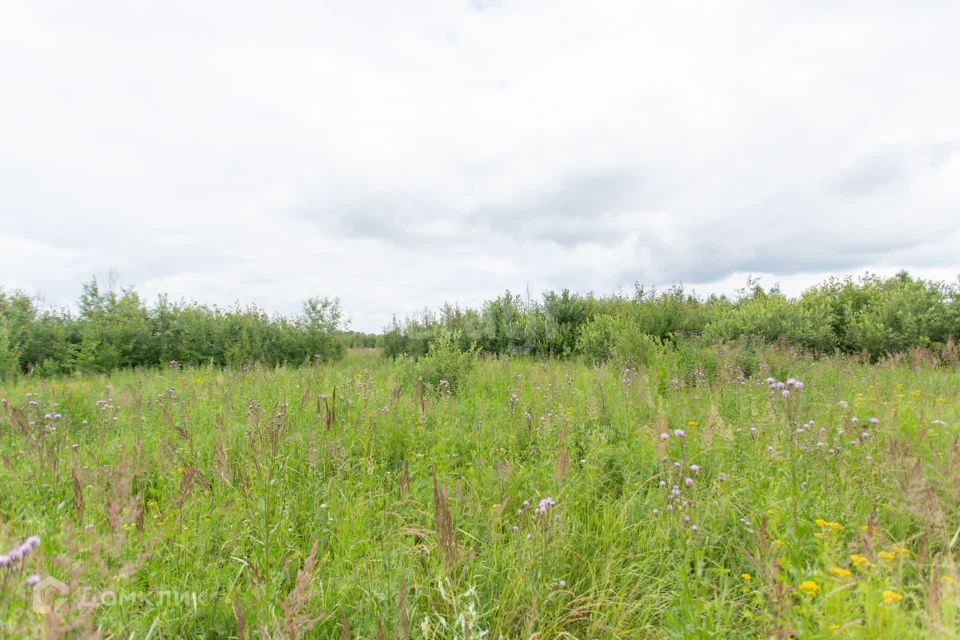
118 330
871 316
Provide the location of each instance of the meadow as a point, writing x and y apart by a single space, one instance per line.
691 496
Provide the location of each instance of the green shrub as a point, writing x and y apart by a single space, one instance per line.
445 360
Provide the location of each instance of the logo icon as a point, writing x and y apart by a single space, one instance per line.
48 595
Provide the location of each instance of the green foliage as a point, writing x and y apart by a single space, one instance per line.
117 330
424 511
876 316
607 337
446 361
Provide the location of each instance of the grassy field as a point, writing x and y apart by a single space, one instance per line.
533 499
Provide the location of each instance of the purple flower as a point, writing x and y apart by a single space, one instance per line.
526 504
33 541
694 528
688 482
515 528
563 584
33 580
4 561
664 435
680 433
695 468
874 421
785 393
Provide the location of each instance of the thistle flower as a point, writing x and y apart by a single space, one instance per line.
695 468
4 561
664 436
680 433
33 580
688 482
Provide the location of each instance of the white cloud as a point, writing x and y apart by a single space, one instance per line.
402 154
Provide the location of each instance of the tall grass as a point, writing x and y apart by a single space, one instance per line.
533 499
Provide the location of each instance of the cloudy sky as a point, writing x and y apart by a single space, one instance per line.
401 154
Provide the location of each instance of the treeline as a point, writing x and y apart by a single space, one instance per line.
872 316
114 330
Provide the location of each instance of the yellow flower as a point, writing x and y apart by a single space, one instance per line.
947 580
865 528
841 573
886 555
779 542
833 526
890 597
809 588
915 394
820 522
746 577
859 561
834 628
693 423
900 551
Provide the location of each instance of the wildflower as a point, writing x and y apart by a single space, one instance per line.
693 528
656 512
4 561
721 477
891 597
563 584
874 421
746 577
947 580
841 573
886 555
545 505
833 526
515 528
834 628
859 561
692 423
809 588
695 468
779 542
680 433
785 393
33 580
664 436
688 482
900 551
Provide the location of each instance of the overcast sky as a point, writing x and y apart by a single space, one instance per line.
401 154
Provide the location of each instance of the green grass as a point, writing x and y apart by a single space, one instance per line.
201 484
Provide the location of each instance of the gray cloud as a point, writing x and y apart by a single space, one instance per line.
402 155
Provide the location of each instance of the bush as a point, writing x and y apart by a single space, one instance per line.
445 361
617 338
